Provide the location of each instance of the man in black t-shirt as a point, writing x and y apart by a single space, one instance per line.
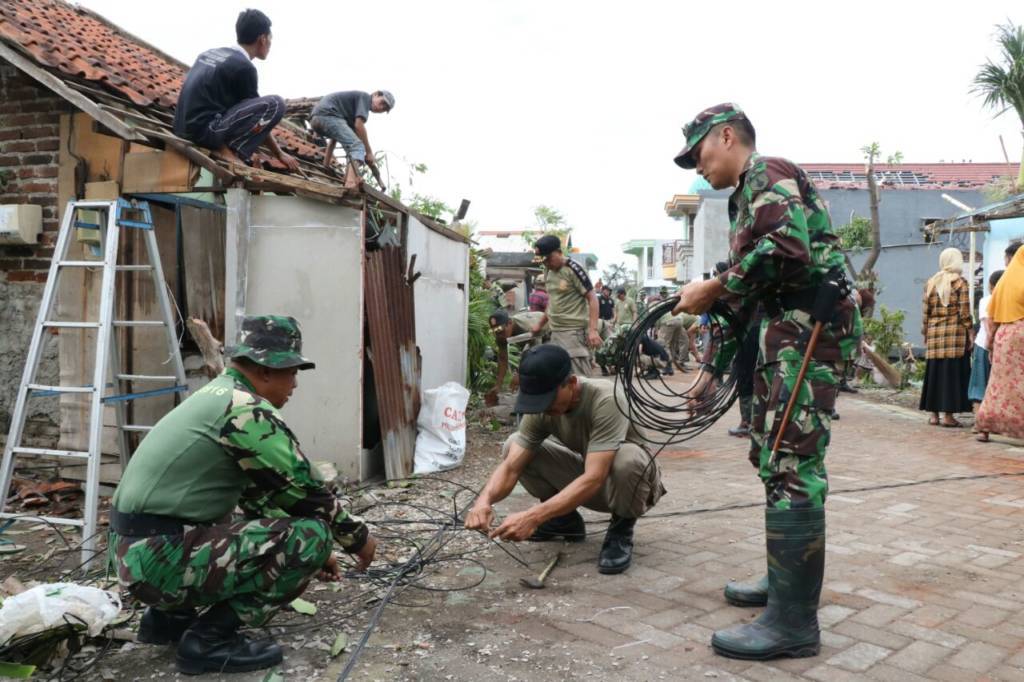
341 117
605 304
220 107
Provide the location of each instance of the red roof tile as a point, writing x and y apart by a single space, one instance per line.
910 175
80 44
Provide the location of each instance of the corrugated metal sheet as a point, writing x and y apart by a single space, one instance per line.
396 359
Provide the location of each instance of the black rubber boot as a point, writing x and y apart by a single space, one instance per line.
164 627
213 644
617 550
748 594
570 527
796 567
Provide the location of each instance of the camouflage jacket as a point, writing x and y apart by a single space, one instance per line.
781 241
225 445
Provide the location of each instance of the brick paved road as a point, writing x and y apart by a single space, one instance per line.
923 581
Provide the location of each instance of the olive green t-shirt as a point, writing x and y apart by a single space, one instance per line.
568 307
596 425
524 320
625 311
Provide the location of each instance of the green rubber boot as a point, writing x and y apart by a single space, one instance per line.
748 594
796 566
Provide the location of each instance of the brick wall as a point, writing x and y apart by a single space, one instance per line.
29 144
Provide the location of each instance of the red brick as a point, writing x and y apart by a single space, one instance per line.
51 130
9 160
48 145
39 159
18 146
26 276
22 120
36 264
7 264
10 134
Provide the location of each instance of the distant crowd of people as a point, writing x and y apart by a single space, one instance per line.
967 368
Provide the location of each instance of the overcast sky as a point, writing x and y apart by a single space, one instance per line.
578 105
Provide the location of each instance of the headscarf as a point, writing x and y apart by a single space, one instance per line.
951 264
1007 304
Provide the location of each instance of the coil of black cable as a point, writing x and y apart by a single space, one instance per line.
664 412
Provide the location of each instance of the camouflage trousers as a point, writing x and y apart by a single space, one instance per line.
796 477
256 566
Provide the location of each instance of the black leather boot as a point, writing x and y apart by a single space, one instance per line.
617 550
570 527
748 594
796 566
164 627
213 644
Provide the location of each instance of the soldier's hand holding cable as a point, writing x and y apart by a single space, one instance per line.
516 527
698 297
331 572
364 557
480 518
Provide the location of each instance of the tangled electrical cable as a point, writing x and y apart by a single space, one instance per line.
664 414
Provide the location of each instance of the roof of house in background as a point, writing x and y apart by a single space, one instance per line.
909 175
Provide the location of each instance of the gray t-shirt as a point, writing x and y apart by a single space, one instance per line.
596 425
349 105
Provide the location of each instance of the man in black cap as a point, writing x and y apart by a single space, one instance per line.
220 106
573 448
504 327
572 304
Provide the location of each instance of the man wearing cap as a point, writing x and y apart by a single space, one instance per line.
220 105
505 326
572 304
625 309
173 540
783 254
573 448
341 117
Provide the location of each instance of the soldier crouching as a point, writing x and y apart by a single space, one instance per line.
172 541
573 448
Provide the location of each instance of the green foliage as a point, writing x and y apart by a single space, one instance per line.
5 178
480 367
855 234
999 189
885 330
895 159
616 275
548 218
431 207
1001 83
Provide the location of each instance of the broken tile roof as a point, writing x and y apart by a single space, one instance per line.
81 47
909 175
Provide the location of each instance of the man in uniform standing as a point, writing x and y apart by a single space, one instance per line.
572 310
625 309
574 448
783 252
504 327
173 542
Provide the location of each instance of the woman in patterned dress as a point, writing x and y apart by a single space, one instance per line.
1002 410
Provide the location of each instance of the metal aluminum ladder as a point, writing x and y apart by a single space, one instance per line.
114 215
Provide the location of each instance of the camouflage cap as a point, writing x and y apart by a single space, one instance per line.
695 130
272 341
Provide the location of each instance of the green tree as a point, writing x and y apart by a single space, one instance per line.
855 234
549 221
615 275
1001 83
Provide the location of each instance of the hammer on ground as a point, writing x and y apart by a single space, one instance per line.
538 582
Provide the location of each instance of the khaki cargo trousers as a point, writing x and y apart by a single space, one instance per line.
633 485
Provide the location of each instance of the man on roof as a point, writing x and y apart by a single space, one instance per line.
220 107
176 542
341 117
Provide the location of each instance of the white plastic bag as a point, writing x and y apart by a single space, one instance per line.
46 606
441 437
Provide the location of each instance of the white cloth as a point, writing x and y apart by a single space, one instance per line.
982 338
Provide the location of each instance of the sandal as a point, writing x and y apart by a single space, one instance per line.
952 425
982 437
933 421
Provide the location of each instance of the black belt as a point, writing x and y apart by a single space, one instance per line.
144 525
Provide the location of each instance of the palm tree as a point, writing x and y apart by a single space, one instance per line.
1002 83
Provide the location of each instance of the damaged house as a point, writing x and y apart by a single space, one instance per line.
85 113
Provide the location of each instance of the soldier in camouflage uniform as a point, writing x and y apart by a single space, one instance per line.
173 542
782 251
